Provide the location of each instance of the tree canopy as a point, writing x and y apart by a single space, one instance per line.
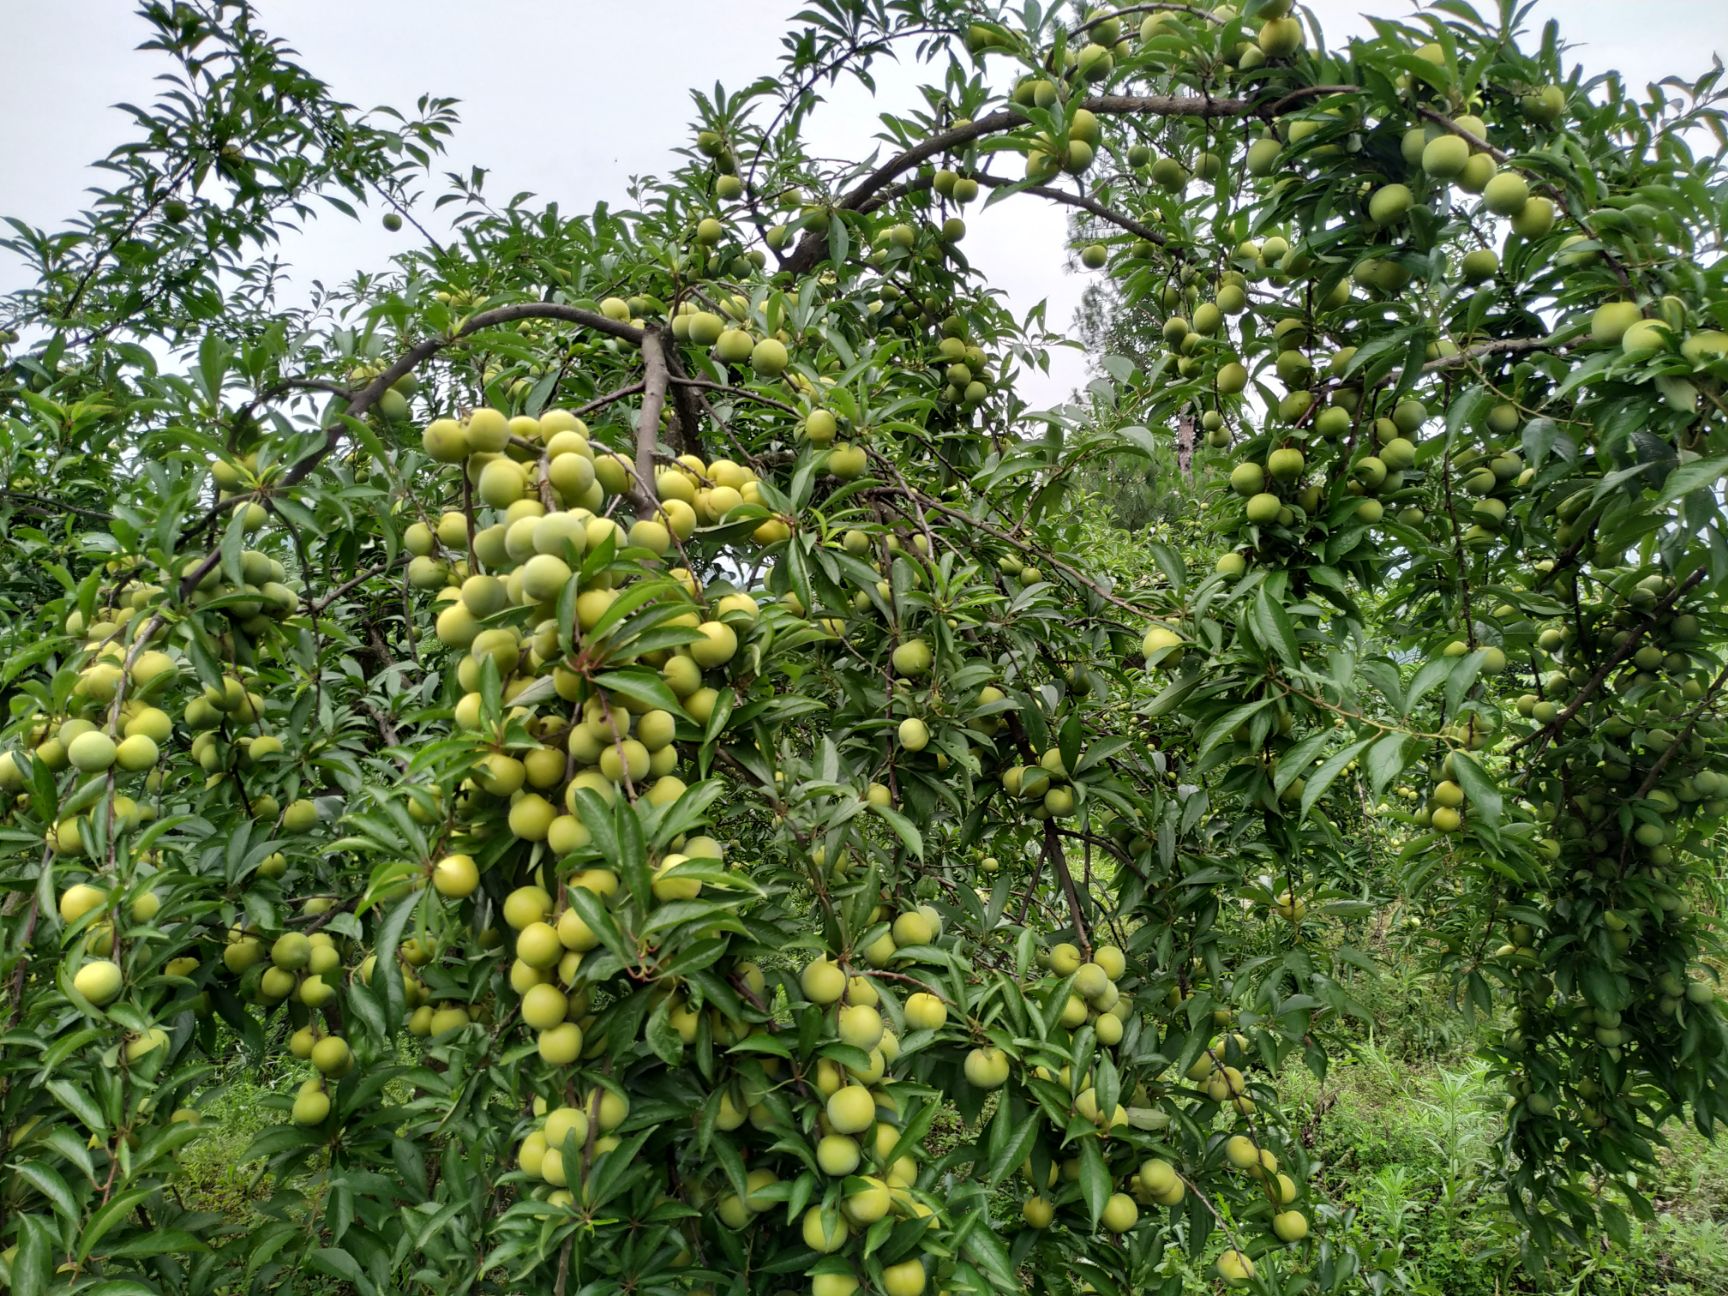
631 720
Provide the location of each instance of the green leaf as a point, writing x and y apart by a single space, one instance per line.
48 1182
902 827
593 911
80 1104
1387 759
1094 1179
1273 628
641 685
1482 794
1020 1133
340 1264
1688 477
1332 767
117 1208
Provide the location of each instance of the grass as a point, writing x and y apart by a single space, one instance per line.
1404 1147
211 1175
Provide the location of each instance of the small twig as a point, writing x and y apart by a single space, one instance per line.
610 398
1085 203
744 392
1458 558
47 506
1187 11
1058 858
315 606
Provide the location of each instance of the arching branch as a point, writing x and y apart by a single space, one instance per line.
365 397
813 246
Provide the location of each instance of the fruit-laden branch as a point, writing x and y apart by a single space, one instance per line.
407 363
1187 10
1662 762
744 393
1071 572
1620 654
813 246
1557 341
421 352
1559 195
1080 200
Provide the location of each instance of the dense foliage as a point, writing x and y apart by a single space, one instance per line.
628 705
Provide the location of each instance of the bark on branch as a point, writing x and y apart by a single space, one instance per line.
655 375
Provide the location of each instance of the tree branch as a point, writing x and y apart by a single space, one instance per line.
654 379
610 398
678 380
1620 654
813 245
407 363
1165 7
1137 228
684 402
47 506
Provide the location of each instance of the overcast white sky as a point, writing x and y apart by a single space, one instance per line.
571 99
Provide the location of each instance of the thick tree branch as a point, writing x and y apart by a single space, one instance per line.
684 403
1558 341
655 375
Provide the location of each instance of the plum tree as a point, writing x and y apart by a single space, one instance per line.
625 706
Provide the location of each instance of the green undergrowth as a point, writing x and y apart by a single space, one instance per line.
1404 1147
